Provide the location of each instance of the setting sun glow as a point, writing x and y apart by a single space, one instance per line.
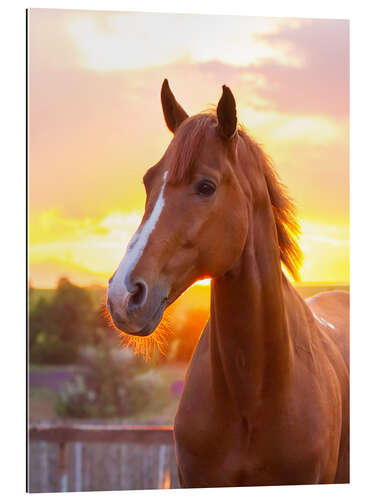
96 125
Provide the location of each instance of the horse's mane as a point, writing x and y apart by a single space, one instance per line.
188 141
284 211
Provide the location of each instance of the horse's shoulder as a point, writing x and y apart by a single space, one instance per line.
331 307
334 298
331 311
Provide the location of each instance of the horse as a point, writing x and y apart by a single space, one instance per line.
266 394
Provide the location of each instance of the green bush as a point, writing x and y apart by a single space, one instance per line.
113 383
50 349
76 400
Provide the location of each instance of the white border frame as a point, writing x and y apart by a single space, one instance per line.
13 375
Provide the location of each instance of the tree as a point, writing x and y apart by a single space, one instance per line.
72 313
39 318
59 327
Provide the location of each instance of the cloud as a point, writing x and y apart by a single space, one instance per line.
95 246
89 250
321 83
93 134
95 130
118 41
45 273
326 251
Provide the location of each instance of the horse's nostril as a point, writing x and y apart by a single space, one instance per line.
138 296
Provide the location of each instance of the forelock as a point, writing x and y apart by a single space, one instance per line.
187 145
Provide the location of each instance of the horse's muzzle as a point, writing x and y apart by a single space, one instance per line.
139 311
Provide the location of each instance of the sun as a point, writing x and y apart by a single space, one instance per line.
204 282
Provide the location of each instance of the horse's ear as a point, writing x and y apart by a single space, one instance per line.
174 114
226 113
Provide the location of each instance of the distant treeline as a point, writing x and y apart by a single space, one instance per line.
63 320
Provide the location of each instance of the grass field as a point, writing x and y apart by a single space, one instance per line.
160 410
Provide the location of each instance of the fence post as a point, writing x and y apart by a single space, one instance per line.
123 467
62 465
151 446
44 466
161 465
78 466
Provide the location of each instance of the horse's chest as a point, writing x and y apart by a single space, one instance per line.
216 448
235 457
230 456
208 455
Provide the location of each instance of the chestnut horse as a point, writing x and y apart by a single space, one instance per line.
266 395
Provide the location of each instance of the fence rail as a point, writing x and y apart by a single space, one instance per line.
128 457
141 434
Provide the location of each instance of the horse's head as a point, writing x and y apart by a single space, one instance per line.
196 218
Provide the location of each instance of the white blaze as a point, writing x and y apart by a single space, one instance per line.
136 247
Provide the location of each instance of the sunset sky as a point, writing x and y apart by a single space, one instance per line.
96 125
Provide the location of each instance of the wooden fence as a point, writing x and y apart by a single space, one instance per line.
86 457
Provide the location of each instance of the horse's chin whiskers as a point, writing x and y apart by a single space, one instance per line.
149 345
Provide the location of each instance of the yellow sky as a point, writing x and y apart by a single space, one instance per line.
95 125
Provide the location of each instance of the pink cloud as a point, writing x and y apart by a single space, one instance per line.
93 133
322 84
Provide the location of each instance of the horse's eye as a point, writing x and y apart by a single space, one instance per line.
205 188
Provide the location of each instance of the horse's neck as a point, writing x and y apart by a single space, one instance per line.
250 346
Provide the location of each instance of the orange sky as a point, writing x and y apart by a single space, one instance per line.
95 125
